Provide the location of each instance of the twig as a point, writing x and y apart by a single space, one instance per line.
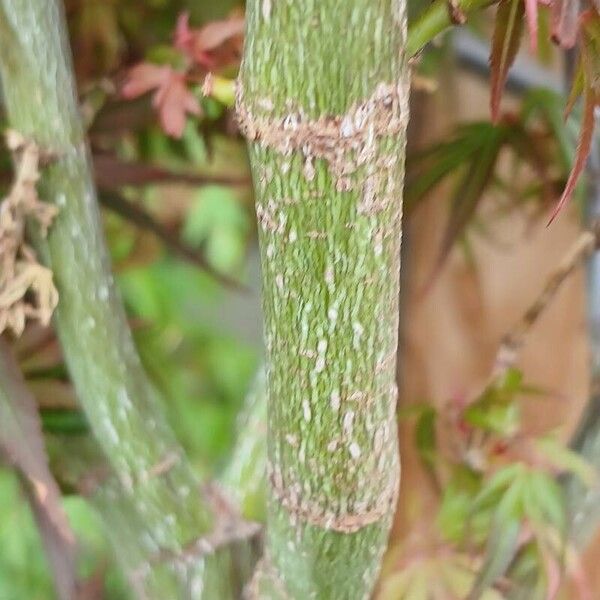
513 341
21 443
138 216
435 19
111 172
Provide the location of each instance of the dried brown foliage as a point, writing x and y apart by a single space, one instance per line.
26 287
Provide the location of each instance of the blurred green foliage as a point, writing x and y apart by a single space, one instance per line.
24 573
501 505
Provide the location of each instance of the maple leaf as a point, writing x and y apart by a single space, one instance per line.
172 98
564 22
508 28
207 45
531 14
586 83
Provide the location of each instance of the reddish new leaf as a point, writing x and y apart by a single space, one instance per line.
144 78
172 99
587 78
531 12
508 28
198 44
583 150
564 22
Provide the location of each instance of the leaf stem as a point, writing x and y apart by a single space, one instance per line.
435 19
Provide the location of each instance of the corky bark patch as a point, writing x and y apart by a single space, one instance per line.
345 142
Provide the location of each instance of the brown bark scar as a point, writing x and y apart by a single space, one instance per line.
163 466
345 142
342 522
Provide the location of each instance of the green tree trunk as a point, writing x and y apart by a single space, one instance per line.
120 402
323 100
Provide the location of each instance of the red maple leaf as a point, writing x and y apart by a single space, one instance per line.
172 99
213 45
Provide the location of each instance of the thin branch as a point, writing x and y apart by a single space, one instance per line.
512 342
436 18
115 202
21 443
111 173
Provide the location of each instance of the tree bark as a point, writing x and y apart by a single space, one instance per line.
120 402
323 101
244 475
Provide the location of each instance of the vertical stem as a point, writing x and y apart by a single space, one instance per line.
244 475
583 504
323 100
121 404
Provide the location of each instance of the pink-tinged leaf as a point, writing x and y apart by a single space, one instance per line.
198 44
583 150
587 78
22 445
502 547
213 34
564 22
531 12
553 571
144 78
578 575
173 101
508 28
183 34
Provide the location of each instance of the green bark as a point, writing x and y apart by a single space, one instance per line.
80 467
244 475
121 404
323 100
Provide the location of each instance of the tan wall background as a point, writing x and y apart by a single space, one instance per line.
451 334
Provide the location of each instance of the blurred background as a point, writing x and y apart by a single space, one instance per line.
179 218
